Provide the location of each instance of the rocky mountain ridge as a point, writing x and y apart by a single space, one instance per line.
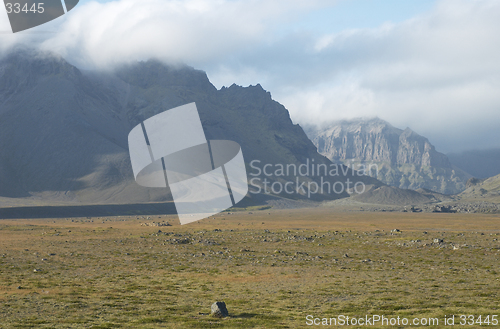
402 158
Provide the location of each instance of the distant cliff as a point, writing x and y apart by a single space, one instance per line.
398 157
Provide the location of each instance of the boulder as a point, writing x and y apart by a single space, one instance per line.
219 310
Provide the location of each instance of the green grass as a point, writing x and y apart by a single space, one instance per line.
270 276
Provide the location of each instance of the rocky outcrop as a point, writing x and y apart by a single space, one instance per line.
473 182
416 150
485 190
397 157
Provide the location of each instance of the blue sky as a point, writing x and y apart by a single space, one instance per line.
432 66
360 14
352 14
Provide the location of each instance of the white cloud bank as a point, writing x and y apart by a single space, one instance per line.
438 73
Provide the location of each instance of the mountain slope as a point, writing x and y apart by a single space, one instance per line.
389 195
484 190
61 137
63 132
397 157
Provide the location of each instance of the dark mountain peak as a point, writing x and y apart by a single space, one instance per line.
234 86
34 63
25 67
251 91
146 74
257 88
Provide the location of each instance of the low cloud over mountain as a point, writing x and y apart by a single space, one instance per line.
437 71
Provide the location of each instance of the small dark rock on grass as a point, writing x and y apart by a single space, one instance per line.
219 310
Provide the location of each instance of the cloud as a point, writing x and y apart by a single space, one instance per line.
438 73
196 32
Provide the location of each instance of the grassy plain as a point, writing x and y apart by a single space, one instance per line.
271 267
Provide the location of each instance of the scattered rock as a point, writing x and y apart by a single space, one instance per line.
219 310
412 209
156 224
444 209
438 240
181 241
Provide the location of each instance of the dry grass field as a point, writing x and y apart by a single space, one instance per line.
271 267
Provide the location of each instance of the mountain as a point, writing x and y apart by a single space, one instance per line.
478 163
483 190
400 158
63 131
62 138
